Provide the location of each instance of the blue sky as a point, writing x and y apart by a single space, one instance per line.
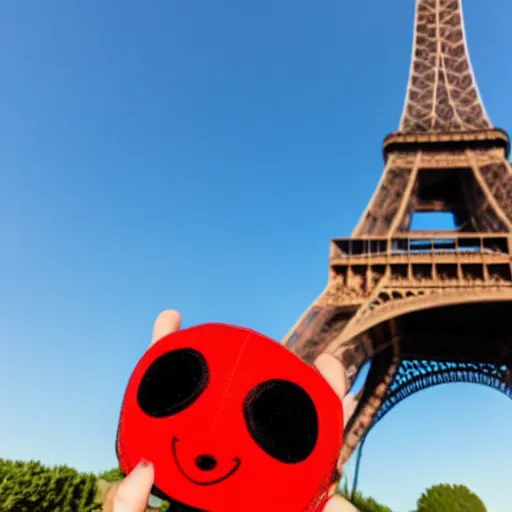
201 155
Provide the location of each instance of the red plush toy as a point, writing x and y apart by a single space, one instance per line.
232 422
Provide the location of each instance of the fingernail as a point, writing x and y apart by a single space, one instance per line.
142 465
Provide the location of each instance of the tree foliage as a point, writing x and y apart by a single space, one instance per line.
361 502
30 487
368 504
112 475
450 498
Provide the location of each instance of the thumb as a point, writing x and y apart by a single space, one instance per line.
132 494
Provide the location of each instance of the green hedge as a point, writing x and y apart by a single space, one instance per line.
438 498
361 502
32 487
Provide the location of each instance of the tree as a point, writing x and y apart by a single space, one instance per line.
450 498
112 475
361 502
30 486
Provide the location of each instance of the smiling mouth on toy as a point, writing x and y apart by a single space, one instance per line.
236 460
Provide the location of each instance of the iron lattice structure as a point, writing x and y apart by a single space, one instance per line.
425 307
414 376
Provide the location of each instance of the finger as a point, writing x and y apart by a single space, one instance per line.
349 407
339 504
108 500
166 322
333 372
133 492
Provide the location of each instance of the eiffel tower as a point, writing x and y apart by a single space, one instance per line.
424 307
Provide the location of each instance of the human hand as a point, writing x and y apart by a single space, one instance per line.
132 494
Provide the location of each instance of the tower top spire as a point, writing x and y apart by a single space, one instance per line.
442 94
